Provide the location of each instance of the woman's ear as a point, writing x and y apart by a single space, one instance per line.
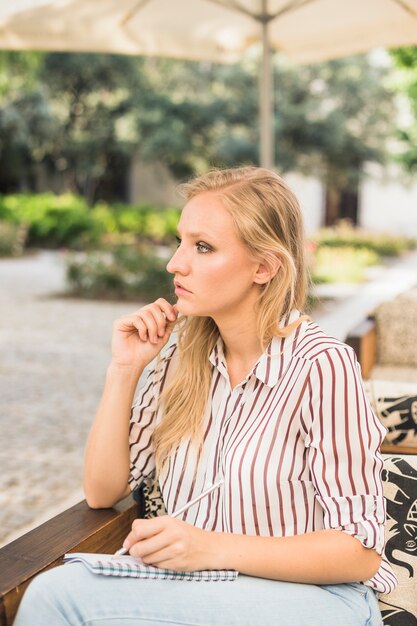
267 269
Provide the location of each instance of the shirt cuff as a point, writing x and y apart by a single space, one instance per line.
363 517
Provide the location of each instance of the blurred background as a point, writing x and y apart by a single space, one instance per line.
93 144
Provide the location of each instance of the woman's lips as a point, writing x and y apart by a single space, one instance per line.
180 290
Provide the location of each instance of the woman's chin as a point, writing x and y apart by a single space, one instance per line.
184 308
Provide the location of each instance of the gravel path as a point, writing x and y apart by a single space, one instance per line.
54 353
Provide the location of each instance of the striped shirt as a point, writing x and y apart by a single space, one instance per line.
296 444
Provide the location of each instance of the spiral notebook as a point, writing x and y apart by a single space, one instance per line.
131 567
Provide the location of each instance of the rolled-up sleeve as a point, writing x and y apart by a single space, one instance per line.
143 420
344 440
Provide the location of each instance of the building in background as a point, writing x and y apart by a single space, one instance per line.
386 200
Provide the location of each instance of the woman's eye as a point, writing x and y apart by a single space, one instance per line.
204 248
178 241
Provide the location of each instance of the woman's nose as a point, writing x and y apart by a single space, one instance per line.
178 263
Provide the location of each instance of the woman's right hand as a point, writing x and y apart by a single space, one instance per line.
139 337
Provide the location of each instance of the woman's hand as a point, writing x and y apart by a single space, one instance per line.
139 337
167 542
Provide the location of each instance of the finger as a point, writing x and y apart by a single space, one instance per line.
157 320
165 316
132 324
157 323
165 558
144 529
146 548
160 318
142 330
148 319
170 310
126 323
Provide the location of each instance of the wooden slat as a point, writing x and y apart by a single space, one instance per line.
394 449
79 529
362 338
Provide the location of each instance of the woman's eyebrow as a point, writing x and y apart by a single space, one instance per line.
196 235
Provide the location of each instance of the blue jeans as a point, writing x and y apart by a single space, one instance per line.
71 595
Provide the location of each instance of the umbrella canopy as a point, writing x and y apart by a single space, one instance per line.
217 30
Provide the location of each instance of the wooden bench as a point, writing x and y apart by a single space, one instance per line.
385 342
363 339
79 529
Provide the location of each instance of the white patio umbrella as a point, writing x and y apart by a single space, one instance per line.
217 30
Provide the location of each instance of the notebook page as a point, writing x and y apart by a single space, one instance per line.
132 567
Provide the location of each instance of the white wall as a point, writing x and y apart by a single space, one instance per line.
310 194
387 197
152 182
388 201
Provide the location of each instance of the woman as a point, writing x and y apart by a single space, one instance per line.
252 393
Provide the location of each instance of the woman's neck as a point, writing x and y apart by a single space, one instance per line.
241 343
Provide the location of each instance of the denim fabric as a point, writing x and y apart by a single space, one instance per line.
71 595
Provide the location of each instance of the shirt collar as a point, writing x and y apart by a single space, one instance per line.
217 357
272 364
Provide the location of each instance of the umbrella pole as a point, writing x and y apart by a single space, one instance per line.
266 107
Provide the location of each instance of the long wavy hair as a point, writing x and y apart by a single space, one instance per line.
268 221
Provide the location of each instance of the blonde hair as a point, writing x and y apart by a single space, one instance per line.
268 220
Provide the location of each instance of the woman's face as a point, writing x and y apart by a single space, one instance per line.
214 274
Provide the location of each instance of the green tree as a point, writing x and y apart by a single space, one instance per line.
90 113
406 61
350 116
92 99
25 119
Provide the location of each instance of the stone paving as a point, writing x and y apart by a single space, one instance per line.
349 304
53 356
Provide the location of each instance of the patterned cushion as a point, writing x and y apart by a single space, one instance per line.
399 608
396 406
149 496
397 330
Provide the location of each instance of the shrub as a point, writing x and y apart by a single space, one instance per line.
66 220
347 236
126 273
343 264
52 221
146 222
12 239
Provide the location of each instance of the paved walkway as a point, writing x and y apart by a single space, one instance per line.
350 303
54 353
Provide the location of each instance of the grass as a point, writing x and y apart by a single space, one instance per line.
342 265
